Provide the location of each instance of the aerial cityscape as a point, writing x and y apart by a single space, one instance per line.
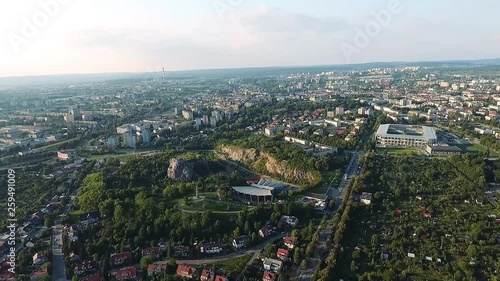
367 161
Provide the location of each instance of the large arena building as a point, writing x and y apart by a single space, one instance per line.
399 135
261 190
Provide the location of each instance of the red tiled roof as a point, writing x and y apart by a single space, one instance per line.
157 267
39 272
125 273
206 273
125 256
282 253
290 240
268 276
185 270
95 277
221 278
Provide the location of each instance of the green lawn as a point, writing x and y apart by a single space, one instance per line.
52 145
476 148
121 157
233 266
328 178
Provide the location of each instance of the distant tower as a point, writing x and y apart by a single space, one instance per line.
197 195
163 74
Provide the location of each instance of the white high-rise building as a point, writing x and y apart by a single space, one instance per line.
129 139
213 121
112 142
197 122
146 136
339 111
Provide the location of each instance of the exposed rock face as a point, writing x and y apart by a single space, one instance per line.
243 155
263 162
180 170
281 168
186 170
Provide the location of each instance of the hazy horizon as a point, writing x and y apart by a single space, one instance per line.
76 37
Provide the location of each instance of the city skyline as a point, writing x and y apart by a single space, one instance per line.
86 37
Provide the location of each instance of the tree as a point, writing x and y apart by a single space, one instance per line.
270 250
389 275
353 266
472 251
303 264
145 262
236 232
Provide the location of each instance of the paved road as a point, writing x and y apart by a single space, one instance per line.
58 267
254 251
337 195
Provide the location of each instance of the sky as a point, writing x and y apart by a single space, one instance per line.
42 37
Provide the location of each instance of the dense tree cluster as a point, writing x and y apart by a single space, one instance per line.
138 207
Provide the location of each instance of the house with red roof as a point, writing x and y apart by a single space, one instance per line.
269 276
207 275
86 267
126 273
157 267
95 277
38 275
120 258
282 254
290 242
151 253
8 276
221 278
186 271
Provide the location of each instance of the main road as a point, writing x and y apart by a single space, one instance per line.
58 266
337 195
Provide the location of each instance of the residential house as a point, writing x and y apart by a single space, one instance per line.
37 218
32 242
211 248
162 246
120 258
290 220
157 267
272 265
90 218
126 273
181 251
7 276
290 242
186 271
266 231
221 278
95 277
240 242
39 259
39 275
366 198
86 267
268 276
282 254
207 275
74 257
151 253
